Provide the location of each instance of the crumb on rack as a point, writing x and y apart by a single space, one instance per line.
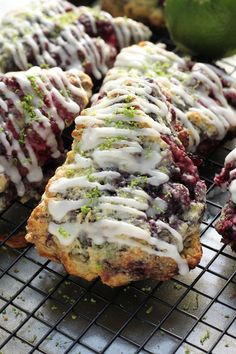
205 337
149 310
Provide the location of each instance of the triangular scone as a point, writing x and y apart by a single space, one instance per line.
36 105
226 225
127 204
58 34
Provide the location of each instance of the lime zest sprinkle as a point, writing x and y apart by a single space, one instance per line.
149 310
161 68
140 180
44 66
126 124
205 337
91 178
62 231
22 136
94 193
27 105
129 111
108 142
70 172
85 209
65 92
177 286
128 99
65 18
35 86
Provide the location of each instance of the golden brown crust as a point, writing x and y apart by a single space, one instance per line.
87 84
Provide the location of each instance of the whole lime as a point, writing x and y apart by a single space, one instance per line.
205 28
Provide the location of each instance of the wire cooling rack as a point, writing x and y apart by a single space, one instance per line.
44 310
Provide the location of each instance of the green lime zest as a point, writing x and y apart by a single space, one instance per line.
128 99
62 231
161 68
70 172
65 92
126 124
35 86
129 111
65 19
27 105
85 209
205 337
22 136
44 66
91 178
94 193
108 142
140 180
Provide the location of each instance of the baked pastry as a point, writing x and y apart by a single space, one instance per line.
202 98
35 107
67 37
128 201
147 11
226 225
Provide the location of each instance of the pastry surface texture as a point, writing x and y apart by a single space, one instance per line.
127 204
36 106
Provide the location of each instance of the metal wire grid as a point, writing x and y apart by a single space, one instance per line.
44 310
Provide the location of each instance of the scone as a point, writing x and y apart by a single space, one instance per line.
148 11
65 36
226 226
202 97
36 106
127 204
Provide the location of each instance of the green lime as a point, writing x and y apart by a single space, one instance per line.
205 28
